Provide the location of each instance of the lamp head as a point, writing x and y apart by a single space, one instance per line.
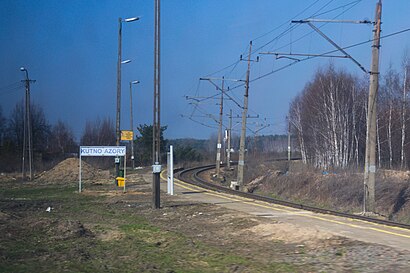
131 19
135 82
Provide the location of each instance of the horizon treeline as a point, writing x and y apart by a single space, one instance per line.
54 143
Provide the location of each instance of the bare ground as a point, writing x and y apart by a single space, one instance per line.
105 230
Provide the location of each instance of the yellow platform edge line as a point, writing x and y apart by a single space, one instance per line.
287 209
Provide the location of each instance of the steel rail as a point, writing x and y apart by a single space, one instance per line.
191 176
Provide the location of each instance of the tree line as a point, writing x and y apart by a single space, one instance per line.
49 141
329 117
53 143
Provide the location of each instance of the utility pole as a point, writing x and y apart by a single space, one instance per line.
219 145
228 150
156 167
241 161
27 130
403 118
132 125
289 149
371 130
370 157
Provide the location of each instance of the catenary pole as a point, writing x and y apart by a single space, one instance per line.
289 148
370 156
219 144
228 150
241 161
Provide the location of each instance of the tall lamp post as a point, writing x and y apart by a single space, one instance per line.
27 137
132 124
119 62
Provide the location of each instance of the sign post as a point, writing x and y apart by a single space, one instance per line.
101 151
170 171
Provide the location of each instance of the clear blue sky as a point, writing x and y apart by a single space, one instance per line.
70 48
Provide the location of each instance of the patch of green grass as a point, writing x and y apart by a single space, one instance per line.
41 241
38 192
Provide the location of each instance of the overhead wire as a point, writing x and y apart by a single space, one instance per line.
322 25
340 7
276 28
351 4
11 88
277 37
289 29
326 53
234 65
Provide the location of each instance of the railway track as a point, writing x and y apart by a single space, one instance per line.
191 176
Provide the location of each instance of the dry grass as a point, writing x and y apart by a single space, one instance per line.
342 191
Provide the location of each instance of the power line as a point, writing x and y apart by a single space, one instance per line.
354 3
309 33
326 53
275 38
289 29
11 88
300 13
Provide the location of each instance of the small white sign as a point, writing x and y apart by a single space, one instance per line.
156 168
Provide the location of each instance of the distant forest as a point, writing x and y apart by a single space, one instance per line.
54 143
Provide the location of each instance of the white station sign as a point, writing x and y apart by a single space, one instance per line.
102 151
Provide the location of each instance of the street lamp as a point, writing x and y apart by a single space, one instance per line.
132 124
119 62
132 19
27 139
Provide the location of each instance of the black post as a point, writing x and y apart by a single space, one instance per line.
156 133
